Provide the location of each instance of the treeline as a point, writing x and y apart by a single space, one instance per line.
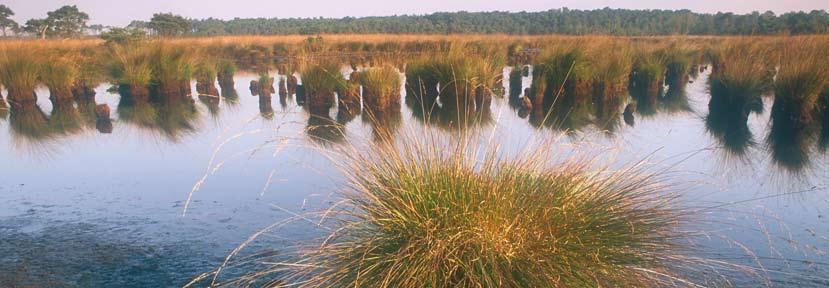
557 21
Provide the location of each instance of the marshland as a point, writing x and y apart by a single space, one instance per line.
414 160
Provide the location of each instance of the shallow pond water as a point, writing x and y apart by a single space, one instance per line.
79 207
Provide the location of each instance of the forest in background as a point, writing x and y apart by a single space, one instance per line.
70 22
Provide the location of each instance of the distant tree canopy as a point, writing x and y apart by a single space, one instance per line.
67 21
557 21
167 24
123 35
6 23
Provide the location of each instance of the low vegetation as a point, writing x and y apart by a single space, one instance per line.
431 213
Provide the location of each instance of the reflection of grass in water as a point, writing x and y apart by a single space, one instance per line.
65 119
322 129
792 144
172 117
730 130
212 104
30 123
177 119
140 114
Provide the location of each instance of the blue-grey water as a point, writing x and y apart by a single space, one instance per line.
82 208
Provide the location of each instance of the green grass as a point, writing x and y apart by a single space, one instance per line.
380 86
206 70
171 66
422 81
433 214
741 69
611 65
19 71
321 81
130 65
59 73
801 78
678 65
568 71
324 77
649 71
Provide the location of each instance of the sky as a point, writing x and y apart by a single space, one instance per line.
121 12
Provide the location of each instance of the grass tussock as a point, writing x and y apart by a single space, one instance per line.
130 68
741 69
611 65
320 82
19 71
801 78
424 214
679 61
59 74
381 86
172 68
649 72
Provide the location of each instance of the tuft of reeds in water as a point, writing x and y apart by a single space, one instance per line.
568 73
422 83
679 61
206 71
226 69
59 74
801 77
741 69
172 69
19 70
428 213
320 82
611 65
130 69
381 87
648 74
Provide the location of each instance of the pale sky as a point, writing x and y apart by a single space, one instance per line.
120 12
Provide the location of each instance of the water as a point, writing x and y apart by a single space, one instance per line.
86 208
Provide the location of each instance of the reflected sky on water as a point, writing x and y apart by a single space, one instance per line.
86 203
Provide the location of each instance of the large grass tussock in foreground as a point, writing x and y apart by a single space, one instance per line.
422 215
